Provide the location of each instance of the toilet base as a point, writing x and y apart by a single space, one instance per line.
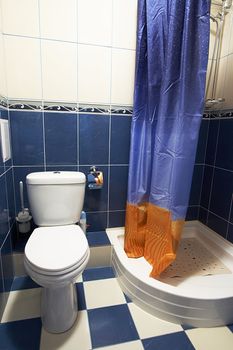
59 308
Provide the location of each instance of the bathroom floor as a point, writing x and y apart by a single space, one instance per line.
107 319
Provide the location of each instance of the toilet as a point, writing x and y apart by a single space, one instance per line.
57 251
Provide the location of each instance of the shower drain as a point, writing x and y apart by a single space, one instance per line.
194 259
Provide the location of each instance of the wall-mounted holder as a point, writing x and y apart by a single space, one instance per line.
95 178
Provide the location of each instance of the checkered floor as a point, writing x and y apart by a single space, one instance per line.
107 319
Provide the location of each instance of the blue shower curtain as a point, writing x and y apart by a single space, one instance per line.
171 63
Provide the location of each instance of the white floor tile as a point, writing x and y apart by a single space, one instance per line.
78 337
103 293
211 338
22 304
132 345
148 325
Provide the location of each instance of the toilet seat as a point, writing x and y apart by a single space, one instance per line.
56 250
55 273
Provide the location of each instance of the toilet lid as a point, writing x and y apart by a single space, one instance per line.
56 248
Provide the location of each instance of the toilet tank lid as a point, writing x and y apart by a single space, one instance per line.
55 178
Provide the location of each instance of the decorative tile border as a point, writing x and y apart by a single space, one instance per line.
218 114
64 107
89 108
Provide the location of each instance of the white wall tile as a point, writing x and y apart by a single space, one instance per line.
124 23
3 86
58 19
210 83
221 77
20 17
123 70
230 49
59 71
23 69
228 86
94 65
95 22
1 27
226 35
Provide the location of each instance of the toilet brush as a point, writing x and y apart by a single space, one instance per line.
23 218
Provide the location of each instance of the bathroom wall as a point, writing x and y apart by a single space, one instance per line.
52 140
217 188
212 187
77 55
225 72
6 225
70 50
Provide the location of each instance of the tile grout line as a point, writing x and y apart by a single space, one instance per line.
229 217
207 137
77 87
42 90
66 41
212 180
110 119
218 216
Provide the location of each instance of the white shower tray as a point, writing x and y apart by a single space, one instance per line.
197 290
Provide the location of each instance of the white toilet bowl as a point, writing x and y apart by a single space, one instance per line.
54 257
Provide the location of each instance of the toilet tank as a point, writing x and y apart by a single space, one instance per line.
56 198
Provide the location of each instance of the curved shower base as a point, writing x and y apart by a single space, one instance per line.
197 290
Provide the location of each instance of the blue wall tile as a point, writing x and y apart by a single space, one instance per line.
116 218
206 186
118 187
217 224
192 213
62 168
20 174
4 224
96 221
194 198
27 138
221 193
60 138
202 141
120 139
2 297
225 145
203 215
212 141
96 200
93 139
4 113
10 195
7 263
230 233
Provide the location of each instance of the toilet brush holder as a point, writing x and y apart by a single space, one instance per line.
24 221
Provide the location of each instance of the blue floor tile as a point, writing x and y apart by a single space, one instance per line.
97 238
174 341
98 273
23 282
81 297
20 335
111 325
